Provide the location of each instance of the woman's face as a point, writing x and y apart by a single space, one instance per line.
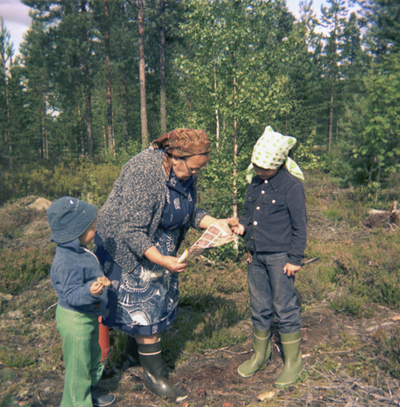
184 168
264 174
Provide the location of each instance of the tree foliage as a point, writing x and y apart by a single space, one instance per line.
228 67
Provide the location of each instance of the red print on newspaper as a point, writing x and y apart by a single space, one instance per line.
212 237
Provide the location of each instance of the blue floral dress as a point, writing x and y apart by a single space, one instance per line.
145 301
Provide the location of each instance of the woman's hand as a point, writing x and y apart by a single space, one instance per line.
171 264
221 223
96 288
168 262
238 229
291 269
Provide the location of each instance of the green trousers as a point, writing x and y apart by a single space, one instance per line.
82 353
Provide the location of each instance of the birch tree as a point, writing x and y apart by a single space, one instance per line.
232 68
142 77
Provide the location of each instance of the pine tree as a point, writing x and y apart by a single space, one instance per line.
34 50
373 125
7 62
69 26
383 18
334 20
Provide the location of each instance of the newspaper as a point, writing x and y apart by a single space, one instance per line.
212 237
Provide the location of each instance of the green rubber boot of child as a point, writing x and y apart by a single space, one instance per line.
293 362
261 356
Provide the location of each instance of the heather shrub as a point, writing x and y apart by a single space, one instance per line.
83 179
388 350
19 269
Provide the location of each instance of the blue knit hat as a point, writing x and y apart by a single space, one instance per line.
69 218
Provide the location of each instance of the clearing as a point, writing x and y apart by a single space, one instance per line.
338 350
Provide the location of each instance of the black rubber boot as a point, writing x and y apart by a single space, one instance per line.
153 373
131 351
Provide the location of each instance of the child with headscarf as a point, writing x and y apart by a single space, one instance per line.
274 221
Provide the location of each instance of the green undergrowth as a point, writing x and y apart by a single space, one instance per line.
388 350
211 308
12 223
213 303
22 268
356 268
83 179
355 275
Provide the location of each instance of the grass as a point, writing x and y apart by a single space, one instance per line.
388 350
16 359
357 268
209 314
19 269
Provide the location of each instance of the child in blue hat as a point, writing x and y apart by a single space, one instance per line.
81 300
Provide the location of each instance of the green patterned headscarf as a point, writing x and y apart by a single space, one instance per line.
271 151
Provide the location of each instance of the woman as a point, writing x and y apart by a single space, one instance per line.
140 228
275 223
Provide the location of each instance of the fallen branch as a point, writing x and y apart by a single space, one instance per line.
374 328
51 306
341 389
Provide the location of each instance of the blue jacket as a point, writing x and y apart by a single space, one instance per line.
275 217
73 270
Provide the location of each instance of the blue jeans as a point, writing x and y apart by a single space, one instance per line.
272 293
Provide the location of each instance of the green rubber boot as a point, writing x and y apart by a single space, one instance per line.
293 362
153 373
261 356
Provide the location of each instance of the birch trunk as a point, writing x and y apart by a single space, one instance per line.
88 96
142 77
163 97
110 128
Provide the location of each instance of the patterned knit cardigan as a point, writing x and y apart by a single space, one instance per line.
128 221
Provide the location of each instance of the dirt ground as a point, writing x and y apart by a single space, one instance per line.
330 342
211 378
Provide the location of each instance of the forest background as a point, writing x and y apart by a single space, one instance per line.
97 80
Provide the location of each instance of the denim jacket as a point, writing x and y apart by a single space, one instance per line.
275 217
73 270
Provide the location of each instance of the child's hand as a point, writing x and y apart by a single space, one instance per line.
96 288
224 224
291 269
238 229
